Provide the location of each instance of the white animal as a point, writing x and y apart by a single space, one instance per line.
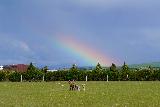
83 86
78 88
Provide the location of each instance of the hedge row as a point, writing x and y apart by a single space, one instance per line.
141 75
98 74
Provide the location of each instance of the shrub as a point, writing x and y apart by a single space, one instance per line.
15 77
2 76
33 75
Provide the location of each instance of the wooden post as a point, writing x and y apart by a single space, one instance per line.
21 78
107 78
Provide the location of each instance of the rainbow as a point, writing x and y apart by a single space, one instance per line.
88 53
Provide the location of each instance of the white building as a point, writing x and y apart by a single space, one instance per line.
1 67
52 70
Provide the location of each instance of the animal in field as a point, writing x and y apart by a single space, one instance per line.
83 86
77 87
73 86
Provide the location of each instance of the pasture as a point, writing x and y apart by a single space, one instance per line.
97 94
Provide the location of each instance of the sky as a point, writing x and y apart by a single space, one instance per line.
85 32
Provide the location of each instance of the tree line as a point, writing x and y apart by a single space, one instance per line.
99 73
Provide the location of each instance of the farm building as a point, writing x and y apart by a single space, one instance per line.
1 67
52 70
17 67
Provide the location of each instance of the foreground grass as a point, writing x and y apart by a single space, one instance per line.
97 94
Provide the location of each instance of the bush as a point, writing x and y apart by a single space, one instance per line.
33 75
15 77
2 76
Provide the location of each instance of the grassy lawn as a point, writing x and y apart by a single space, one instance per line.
97 94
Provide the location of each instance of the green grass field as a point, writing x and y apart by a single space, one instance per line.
97 94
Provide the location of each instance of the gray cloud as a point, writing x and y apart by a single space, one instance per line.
124 29
104 4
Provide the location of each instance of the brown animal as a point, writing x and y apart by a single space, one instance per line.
73 86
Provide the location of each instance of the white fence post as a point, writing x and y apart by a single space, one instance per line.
86 78
43 77
21 78
107 78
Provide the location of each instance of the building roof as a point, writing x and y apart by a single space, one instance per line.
17 67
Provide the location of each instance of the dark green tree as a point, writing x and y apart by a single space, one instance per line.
31 68
44 69
98 67
125 71
73 72
33 73
125 67
113 67
74 68
114 72
97 72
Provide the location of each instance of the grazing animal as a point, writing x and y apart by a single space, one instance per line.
83 86
77 87
73 86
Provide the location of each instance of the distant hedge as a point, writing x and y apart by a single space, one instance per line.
131 75
142 75
98 74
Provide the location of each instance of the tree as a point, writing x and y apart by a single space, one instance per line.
114 72
113 67
44 70
73 72
98 67
97 72
125 71
125 67
74 68
33 73
31 67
